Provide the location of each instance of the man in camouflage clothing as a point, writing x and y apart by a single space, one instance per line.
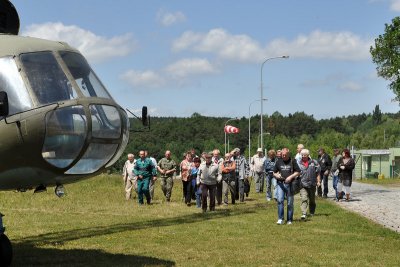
167 167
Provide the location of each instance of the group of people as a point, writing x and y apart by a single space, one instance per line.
210 179
302 174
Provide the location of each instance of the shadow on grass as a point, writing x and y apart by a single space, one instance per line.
24 248
322 214
28 255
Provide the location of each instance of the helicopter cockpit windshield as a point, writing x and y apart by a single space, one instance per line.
84 77
82 136
47 80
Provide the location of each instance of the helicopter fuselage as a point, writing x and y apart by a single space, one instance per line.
58 123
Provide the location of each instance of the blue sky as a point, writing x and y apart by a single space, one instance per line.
181 57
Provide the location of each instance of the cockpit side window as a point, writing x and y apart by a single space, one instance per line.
84 76
11 82
48 81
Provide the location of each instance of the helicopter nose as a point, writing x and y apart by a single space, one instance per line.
83 140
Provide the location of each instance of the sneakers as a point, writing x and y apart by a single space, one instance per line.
303 217
289 223
268 199
279 222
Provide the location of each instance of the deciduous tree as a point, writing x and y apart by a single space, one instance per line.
386 55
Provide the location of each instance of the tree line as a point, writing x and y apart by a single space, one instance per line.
365 131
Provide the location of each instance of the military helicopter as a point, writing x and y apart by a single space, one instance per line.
58 123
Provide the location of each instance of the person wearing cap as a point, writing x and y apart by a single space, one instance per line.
325 162
207 177
241 173
257 169
335 171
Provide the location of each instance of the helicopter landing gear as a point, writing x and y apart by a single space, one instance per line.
5 246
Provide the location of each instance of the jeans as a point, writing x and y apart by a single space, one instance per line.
270 180
282 190
188 190
198 196
335 183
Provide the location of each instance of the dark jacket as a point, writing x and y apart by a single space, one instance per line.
325 162
309 174
346 175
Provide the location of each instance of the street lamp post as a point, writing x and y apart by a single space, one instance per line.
262 97
231 119
259 137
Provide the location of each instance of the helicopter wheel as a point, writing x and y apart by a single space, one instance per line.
5 251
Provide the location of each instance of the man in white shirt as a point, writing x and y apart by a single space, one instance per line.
257 168
128 177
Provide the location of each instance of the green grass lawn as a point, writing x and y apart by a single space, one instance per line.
93 225
384 182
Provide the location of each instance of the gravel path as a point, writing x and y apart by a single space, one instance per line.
378 203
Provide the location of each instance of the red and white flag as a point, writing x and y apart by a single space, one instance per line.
231 129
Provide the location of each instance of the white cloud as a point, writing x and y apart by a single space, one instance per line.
176 73
188 67
148 79
168 19
227 46
395 5
95 48
186 41
242 48
318 44
350 86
